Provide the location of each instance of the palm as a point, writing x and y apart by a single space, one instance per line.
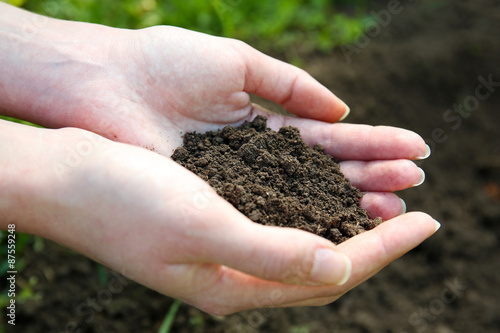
174 80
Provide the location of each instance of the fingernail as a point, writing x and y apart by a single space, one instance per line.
438 225
330 267
347 111
403 206
427 153
422 178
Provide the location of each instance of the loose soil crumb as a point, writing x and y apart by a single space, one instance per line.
275 178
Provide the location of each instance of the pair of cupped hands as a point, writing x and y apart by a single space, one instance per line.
101 181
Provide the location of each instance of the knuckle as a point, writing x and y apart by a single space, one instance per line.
289 268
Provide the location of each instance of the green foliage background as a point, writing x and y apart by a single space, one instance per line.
271 25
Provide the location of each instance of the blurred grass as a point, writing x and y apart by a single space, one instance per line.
269 25
18 121
25 291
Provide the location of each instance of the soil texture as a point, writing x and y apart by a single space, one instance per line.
275 178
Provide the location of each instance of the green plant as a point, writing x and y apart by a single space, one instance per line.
197 321
169 318
18 121
300 329
25 291
102 274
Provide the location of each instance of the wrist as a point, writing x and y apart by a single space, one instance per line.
43 60
21 169
34 174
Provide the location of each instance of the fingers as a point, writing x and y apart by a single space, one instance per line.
369 252
224 236
373 250
364 142
383 204
291 87
356 142
383 176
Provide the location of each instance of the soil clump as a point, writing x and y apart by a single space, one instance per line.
275 178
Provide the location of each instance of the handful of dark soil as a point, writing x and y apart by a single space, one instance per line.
275 178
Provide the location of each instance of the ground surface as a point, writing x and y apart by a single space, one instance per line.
432 55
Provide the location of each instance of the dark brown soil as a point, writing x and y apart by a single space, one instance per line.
275 178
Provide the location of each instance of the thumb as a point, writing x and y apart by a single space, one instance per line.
270 253
291 87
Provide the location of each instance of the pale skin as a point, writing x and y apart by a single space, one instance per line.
108 196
